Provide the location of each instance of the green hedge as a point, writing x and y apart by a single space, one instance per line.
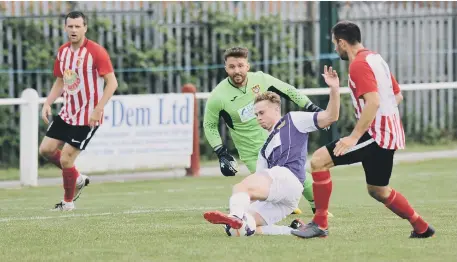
38 53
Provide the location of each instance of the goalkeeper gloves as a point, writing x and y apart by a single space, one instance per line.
310 107
228 164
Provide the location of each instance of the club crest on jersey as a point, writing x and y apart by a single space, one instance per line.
71 81
79 61
256 89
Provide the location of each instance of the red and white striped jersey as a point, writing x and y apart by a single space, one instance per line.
370 73
82 72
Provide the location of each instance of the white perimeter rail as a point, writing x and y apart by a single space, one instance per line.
30 115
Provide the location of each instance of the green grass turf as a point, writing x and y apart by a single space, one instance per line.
50 171
161 220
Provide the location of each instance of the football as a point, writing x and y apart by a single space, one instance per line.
248 228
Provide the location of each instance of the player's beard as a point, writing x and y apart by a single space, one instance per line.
238 79
344 56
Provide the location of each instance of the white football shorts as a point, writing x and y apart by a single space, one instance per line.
285 194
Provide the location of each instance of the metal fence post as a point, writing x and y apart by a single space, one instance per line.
328 12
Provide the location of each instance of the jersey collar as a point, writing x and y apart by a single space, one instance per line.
275 126
239 88
362 50
82 46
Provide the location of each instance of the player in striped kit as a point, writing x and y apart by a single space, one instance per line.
82 68
277 183
374 140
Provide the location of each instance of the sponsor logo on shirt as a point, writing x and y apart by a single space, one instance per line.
247 113
71 81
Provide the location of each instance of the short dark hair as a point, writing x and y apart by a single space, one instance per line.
238 52
348 31
76 14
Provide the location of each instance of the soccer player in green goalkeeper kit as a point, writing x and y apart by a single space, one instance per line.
233 100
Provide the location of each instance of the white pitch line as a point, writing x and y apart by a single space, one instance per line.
128 212
129 193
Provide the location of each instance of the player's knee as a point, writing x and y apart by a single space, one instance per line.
45 151
245 188
320 160
66 160
241 187
380 193
42 151
257 187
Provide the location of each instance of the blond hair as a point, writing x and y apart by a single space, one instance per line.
268 96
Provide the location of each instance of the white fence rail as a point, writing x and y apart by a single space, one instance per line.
29 122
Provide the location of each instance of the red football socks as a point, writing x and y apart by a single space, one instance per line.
69 182
55 159
400 206
322 188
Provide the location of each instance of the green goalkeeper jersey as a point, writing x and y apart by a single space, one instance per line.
236 106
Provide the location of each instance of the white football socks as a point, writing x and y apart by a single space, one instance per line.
239 203
276 230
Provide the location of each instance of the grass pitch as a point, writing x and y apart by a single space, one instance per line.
161 220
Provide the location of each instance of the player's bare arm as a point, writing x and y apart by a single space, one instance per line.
399 98
368 114
396 88
331 113
110 88
56 92
371 100
362 75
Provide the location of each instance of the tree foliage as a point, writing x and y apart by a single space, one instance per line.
39 38
147 57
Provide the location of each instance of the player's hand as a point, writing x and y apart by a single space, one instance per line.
95 117
331 77
228 164
46 112
345 144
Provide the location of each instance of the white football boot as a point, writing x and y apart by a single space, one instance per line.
81 182
64 206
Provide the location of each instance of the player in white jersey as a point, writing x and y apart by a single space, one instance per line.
277 184
82 68
374 140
